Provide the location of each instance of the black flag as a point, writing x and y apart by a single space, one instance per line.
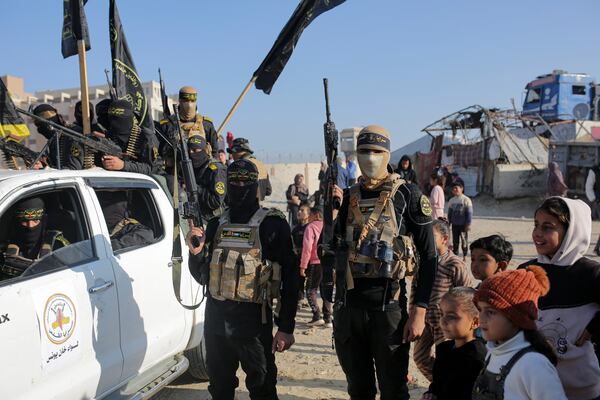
280 53
74 27
11 123
126 81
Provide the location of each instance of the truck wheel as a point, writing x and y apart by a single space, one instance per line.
197 358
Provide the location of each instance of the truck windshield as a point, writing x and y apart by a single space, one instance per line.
533 95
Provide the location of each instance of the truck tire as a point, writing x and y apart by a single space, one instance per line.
197 357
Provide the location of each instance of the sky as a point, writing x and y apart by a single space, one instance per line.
400 64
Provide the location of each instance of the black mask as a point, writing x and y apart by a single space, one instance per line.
114 207
120 114
199 158
243 202
28 239
46 130
102 112
78 114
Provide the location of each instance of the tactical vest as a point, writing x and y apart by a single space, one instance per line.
15 264
196 128
490 386
376 249
237 269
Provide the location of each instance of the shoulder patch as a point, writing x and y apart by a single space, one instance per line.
274 212
154 153
220 188
163 121
212 166
75 152
425 206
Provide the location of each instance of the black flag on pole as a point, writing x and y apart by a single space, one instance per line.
126 81
280 53
74 27
11 123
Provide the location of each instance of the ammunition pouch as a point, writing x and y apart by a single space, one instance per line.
377 250
237 270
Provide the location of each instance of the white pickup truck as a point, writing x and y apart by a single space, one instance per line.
85 322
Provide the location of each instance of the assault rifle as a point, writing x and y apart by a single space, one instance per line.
16 149
190 207
97 144
331 145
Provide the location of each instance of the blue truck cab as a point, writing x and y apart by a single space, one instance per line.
560 96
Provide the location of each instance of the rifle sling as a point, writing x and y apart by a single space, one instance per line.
176 256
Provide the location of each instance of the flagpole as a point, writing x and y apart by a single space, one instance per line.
236 105
88 157
85 97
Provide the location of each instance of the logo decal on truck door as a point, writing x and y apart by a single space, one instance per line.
59 318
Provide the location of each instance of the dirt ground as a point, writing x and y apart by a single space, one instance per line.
310 370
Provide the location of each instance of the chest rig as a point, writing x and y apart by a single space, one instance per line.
196 128
376 249
15 264
237 269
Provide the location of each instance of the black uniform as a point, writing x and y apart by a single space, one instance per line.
74 154
234 331
362 331
212 182
124 231
131 234
56 152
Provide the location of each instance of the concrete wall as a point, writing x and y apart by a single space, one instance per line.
282 175
520 180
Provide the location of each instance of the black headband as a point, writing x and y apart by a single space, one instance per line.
376 139
188 96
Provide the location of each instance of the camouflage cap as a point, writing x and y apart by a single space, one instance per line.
240 145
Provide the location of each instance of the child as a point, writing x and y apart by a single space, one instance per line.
451 272
570 313
520 362
436 198
458 360
490 255
460 214
310 266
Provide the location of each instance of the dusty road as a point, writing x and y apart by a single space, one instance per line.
310 369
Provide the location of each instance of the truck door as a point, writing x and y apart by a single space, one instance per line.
153 324
60 317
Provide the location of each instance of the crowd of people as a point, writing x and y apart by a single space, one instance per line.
484 332
490 331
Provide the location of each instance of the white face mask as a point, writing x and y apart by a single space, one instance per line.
187 110
371 164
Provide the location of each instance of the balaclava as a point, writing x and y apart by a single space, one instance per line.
29 239
374 166
114 207
187 107
48 112
120 115
78 113
102 112
242 190
201 157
